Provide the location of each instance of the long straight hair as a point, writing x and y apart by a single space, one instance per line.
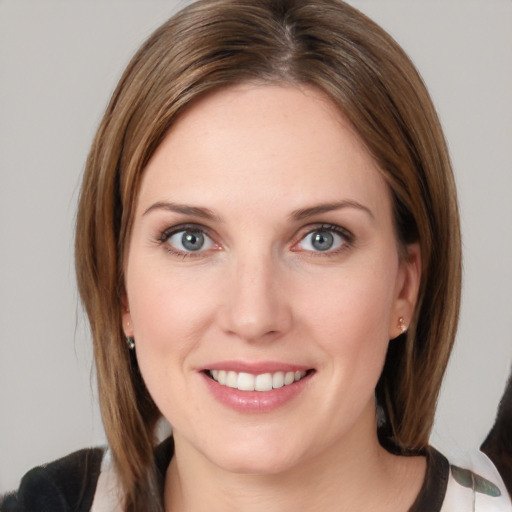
325 44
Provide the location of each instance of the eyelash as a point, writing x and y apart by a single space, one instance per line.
174 230
348 239
345 234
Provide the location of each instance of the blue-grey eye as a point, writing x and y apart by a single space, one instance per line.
322 240
190 240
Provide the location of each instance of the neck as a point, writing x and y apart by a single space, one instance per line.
337 479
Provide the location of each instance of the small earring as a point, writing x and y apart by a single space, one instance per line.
130 342
401 325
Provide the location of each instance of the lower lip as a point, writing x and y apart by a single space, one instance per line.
255 401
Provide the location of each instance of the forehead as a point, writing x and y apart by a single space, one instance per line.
263 142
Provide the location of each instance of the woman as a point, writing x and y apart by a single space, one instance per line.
267 203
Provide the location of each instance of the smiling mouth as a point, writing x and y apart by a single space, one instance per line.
262 382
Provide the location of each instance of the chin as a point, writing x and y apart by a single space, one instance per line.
263 464
256 458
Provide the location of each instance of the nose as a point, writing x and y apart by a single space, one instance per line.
256 306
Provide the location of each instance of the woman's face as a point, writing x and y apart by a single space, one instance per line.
263 280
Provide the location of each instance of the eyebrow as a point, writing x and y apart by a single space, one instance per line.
195 211
304 213
300 214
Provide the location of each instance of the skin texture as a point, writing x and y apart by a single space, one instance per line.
258 291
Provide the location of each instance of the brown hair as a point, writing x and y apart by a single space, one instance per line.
322 43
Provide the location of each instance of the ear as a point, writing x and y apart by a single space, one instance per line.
126 317
406 290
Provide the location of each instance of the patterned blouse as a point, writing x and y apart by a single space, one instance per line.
85 482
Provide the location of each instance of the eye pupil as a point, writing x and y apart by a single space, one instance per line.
192 240
322 240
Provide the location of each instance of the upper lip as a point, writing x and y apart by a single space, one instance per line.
256 368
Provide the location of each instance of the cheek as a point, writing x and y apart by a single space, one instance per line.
170 312
349 318
353 302
169 309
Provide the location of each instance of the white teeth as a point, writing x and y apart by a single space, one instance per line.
246 382
249 382
289 377
232 379
278 380
263 382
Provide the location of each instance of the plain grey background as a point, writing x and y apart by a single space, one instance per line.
59 62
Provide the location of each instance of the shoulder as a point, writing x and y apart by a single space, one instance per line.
108 496
67 484
475 485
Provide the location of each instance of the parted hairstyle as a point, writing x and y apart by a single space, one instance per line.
325 44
